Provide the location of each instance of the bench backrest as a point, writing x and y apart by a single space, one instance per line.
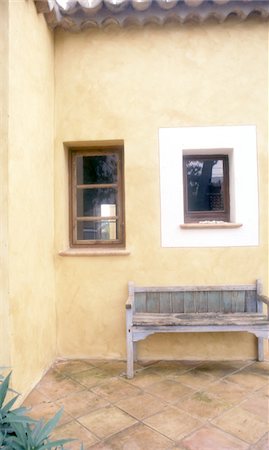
196 299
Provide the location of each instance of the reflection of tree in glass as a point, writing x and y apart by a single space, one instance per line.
99 170
199 176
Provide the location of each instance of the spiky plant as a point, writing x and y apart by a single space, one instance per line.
18 431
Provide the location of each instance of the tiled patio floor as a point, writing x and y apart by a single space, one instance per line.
167 405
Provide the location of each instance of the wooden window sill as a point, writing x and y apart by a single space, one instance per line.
95 252
201 225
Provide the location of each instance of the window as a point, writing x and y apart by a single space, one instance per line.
96 192
241 225
206 188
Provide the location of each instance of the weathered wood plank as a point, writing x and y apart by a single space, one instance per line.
214 301
200 300
153 302
189 305
165 302
140 302
177 302
203 319
261 331
236 287
227 302
238 301
251 302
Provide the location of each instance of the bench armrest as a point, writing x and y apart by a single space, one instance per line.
130 302
264 299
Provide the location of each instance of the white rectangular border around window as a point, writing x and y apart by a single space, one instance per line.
239 143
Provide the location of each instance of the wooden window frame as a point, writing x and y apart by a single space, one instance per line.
96 150
214 216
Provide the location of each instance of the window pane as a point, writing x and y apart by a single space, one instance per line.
205 184
97 169
96 202
104 230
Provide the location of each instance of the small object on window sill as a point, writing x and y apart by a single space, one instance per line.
95 252
210 224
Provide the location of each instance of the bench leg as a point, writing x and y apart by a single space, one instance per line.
135 350
260 350
130 355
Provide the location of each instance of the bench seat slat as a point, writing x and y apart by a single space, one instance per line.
200 319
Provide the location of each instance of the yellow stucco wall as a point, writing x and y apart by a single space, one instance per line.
126 84
31 195
4 304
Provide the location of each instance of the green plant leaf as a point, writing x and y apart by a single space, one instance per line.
43 433
20 431
14 446
37 429
56 444
20 411
4 388
9 404
17 418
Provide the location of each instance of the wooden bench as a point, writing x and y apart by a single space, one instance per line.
194 309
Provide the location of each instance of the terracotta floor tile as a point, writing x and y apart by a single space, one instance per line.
137 437
97 362
115 390
171 400
229 392
210 438
144 378
69 367
179 447
55 386
259 367
81 403
171 368
169 391
91 377
220 369
263 443
146 362
196 379
104 422
242 424
52 376
35 398
141 406
47 410
250 380
113 368
258 404
173 423
73 430
203 405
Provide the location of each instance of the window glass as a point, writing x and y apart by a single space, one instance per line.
97 230
97 210
90 202
206 188
205 184
97 169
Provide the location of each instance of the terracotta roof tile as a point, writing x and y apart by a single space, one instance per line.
75 15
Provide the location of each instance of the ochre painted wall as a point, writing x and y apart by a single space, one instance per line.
31 195
4 303
126 84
